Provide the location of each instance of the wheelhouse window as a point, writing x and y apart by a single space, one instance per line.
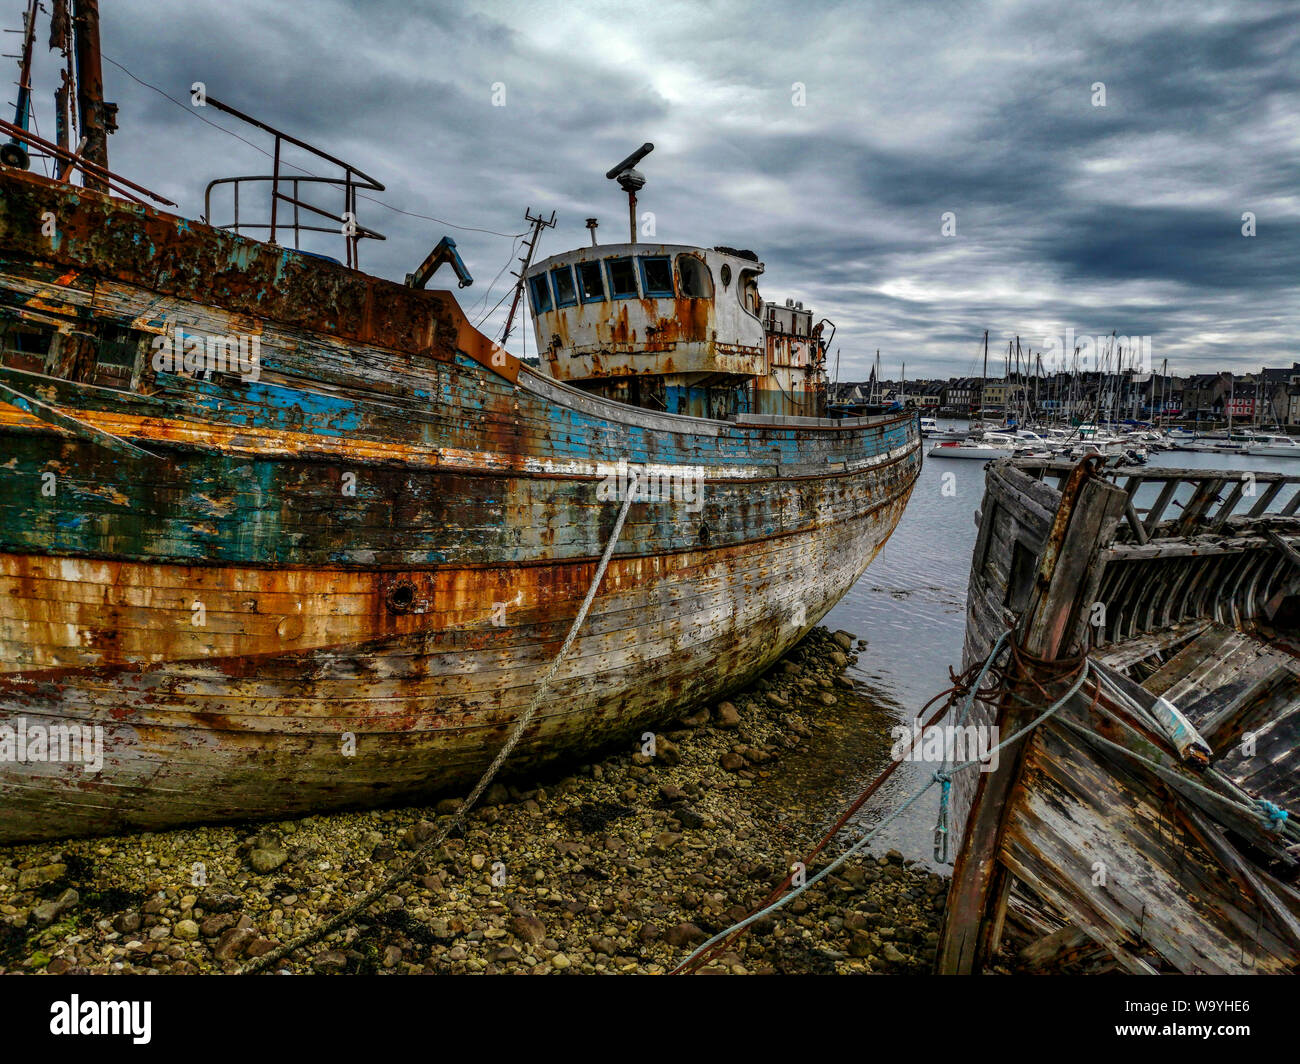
566 294
694 278
540 292
622 278
591 282
657 275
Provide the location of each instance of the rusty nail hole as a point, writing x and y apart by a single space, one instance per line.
401 597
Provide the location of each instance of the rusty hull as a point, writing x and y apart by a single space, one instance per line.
386 535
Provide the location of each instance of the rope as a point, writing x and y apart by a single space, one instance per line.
516 733
941 833
941 823
966 685
1260 809
1276 816
938 777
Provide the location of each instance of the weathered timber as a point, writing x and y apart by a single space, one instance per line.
1193 874
1090 508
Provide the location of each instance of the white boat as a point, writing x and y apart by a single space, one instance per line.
932 430
983 448
1216 445
1274 447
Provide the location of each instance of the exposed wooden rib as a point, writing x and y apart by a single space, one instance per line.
1158 509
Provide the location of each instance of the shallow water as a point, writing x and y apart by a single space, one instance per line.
910 608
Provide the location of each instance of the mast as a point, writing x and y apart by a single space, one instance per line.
983 380
1164 393
13 153
61 38
96 117
1038 376
539 223
1014 389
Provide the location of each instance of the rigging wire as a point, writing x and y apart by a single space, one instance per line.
489 314
478 306
256 147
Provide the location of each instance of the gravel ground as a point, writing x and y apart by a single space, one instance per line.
623 866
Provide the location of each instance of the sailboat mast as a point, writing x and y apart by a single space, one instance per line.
984 379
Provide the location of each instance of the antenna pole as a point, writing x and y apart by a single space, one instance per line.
631 181
539 223
13 153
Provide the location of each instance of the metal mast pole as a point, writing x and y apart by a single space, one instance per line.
539 223
96 116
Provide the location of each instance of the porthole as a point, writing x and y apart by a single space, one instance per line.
401 597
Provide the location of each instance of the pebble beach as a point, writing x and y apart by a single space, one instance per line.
622 865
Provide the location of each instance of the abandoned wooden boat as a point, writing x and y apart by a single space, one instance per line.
1143 826
287 537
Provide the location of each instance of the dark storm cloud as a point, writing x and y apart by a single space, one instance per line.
1124 217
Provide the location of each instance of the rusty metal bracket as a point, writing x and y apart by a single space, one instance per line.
444 252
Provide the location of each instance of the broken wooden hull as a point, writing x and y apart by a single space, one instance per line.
340 583
1137 830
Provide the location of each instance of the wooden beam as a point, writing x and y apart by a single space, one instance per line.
1206 492
1270 493
1289 552
1230 504
76 426
1161 504
1090 509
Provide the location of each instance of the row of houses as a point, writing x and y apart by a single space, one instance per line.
1269 397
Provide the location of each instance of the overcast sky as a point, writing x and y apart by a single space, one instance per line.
831 139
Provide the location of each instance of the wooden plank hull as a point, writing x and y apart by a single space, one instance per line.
1118 830
250 734
340 583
